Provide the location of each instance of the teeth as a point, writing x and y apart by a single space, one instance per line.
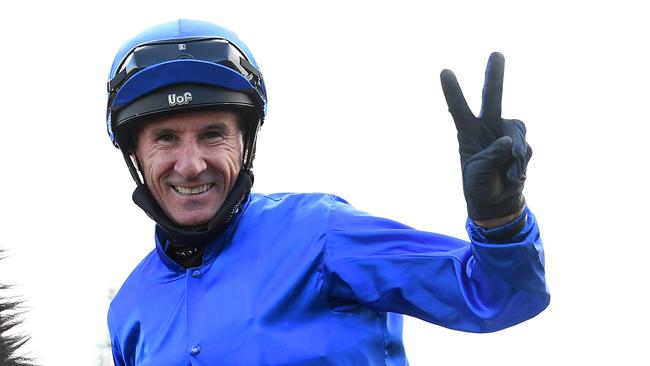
193 190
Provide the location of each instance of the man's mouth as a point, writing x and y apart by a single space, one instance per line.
188 191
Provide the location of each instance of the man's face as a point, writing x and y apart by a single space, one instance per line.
190 162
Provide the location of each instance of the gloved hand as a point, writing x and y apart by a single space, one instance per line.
493 151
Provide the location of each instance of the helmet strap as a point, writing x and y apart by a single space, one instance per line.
250 143
128 159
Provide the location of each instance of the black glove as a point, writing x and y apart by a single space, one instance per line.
493 151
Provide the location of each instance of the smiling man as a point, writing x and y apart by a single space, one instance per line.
240 278
191 162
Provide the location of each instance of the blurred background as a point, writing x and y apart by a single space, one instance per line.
355 109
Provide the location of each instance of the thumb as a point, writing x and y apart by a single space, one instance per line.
496 154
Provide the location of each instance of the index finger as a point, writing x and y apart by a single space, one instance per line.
493 86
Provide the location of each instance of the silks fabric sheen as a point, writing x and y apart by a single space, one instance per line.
306 279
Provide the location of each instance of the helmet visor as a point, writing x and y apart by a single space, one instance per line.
213 50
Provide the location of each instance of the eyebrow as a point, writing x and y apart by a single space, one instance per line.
161 131
214 126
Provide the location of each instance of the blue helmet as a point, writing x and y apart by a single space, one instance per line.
181 65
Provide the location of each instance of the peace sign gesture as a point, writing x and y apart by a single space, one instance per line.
493 151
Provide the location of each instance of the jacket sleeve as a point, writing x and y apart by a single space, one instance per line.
474 286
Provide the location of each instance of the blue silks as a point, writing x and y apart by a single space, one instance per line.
305 279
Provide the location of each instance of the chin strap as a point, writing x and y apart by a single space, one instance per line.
197 236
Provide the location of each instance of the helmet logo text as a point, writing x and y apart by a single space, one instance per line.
174 99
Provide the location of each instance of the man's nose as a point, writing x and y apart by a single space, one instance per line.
190 162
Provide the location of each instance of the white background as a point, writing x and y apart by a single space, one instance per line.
355 109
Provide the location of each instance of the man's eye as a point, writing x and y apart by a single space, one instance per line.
212 135
166 138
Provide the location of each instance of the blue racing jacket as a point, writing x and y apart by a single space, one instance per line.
306 279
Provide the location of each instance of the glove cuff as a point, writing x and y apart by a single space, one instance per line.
508 207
